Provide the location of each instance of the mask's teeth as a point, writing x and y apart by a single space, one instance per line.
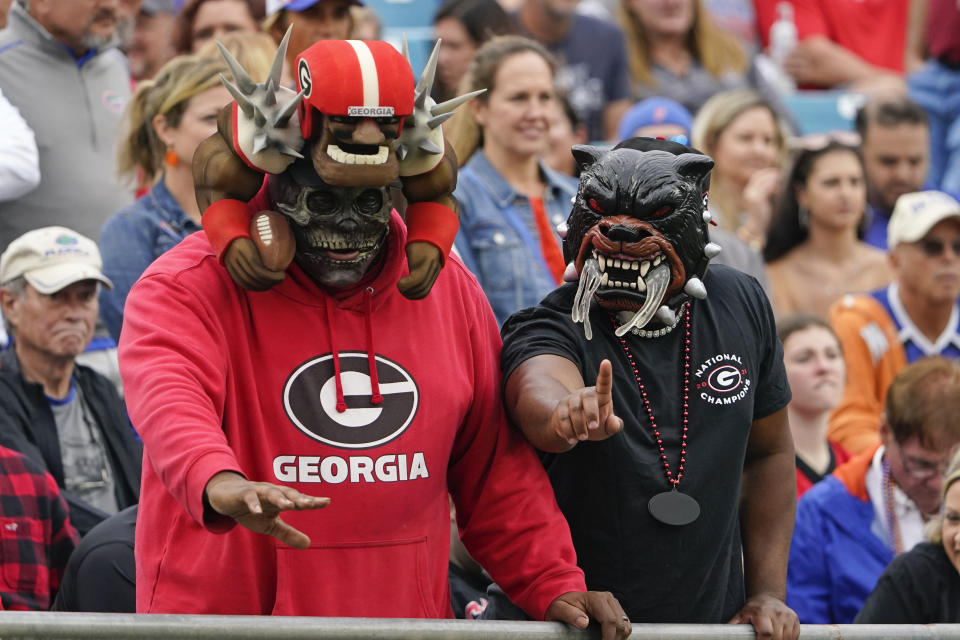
589 283
666 316
657 282
570 273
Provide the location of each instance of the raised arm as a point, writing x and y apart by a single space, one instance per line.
547 398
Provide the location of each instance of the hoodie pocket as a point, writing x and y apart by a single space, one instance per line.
384 579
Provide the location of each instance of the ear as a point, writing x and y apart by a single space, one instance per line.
163 130
894 258
8 303
586 154
693 166
478 109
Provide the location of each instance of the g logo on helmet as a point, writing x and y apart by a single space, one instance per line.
303 77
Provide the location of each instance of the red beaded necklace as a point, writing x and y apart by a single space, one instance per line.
670 507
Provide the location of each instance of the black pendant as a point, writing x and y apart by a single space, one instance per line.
673 508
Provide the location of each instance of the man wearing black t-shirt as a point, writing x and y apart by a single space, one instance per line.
675 471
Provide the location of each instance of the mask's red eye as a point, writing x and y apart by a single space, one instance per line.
659 213
596 207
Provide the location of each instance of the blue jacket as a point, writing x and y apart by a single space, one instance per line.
498 238
131 239
835 557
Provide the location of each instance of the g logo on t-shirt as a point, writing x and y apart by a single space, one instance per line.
722 379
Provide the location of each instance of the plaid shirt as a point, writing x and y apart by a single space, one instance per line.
36 537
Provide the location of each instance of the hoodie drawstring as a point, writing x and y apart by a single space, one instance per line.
341 401
375 397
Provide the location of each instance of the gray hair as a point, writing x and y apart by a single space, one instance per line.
18 288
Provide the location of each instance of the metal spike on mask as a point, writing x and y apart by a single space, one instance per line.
288 110
401 151
450 105
694 287
259 142
245 105
712 250
405 49
244 82
290 151
429 146
258 117
706 216
433 123
276 68
270 97
425 84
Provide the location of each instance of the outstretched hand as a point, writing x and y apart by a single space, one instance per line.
245 266
424 261
587 414
257 505
771 618
577 607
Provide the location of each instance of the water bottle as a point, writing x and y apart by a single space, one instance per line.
783 38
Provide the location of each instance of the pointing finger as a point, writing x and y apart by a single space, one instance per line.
605 381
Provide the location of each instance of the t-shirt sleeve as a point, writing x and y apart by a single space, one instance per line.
773 390
536 331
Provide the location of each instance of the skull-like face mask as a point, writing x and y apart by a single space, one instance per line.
637 234
340 231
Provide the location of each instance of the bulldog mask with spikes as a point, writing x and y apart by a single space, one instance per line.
637 236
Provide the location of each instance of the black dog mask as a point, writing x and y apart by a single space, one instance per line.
637 234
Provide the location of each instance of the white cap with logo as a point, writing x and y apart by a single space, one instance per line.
918 212
52 258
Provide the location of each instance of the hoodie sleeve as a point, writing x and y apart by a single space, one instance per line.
506 512
174 367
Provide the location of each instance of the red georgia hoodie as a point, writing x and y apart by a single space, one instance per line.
219 378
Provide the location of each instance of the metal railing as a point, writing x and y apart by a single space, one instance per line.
15 625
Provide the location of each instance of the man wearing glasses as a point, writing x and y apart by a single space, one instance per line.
915 316
874 506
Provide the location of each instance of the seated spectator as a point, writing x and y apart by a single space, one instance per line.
741 131
843 42
167 119
895 140
677 51
151 44
36 533
922 586
463 26
313 20
656 118
566 130
202 21
850 526
101 575
19 159
63 416
812 252
934 82
592 68
510 201
916 315
816 372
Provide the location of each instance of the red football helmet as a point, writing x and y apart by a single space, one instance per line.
353 78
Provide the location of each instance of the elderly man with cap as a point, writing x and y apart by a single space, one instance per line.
916 315
151 43
64 416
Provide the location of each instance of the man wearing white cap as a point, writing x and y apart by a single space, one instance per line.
915 316
63 415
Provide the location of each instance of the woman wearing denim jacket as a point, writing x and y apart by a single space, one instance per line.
511 202
166 120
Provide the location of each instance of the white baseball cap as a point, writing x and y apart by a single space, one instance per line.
918 212
51 259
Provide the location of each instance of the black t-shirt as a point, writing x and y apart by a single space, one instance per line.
662 573
920 586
